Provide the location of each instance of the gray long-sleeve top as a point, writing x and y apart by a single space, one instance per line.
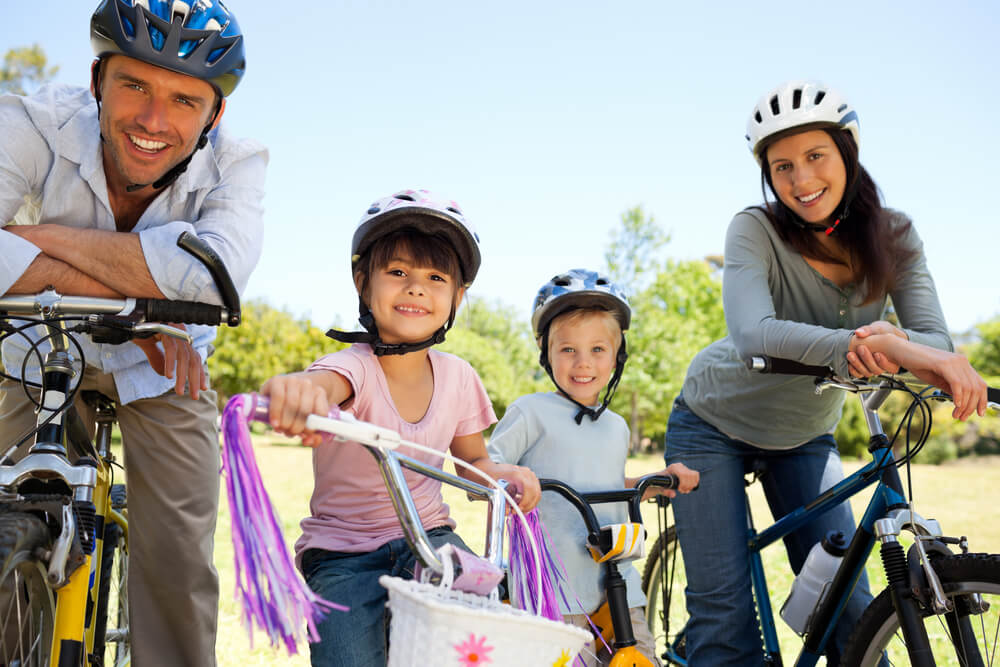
777 304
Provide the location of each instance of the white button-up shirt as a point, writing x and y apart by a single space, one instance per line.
51 171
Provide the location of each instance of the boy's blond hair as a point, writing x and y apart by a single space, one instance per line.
577 315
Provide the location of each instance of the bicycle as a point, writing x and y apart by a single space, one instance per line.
450 613
927 582
611 545
63 522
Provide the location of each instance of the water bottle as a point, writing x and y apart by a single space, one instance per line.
812 582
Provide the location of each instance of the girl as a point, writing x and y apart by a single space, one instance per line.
806 278
413 256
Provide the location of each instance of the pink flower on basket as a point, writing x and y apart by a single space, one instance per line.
472 652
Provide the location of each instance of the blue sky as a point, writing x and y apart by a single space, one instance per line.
546 120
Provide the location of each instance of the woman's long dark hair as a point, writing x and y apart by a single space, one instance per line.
867 231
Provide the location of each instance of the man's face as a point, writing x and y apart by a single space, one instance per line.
151 119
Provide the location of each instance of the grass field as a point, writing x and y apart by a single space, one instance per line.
962 497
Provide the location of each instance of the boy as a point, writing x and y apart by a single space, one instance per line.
578 320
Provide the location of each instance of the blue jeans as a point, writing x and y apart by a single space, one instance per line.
712 530
359 638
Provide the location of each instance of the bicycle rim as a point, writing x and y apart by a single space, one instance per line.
663 581
27 605
968 636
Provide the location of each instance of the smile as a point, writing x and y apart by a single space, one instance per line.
411 309
806 199
146 145
582 380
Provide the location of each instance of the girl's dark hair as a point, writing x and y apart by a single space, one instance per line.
426 250
871 235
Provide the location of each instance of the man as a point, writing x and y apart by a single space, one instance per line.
109 187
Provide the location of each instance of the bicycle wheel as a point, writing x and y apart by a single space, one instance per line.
971 624
663 582
27 605
113 610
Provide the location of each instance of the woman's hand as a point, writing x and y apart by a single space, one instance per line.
294 397
862 360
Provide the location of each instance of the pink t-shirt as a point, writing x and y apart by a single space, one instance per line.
351 510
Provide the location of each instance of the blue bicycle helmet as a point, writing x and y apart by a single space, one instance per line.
200 38
580 288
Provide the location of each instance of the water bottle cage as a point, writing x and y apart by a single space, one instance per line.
619 542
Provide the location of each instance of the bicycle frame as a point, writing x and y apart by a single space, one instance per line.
887 501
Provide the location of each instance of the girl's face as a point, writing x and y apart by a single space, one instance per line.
582 355
409 302
808 174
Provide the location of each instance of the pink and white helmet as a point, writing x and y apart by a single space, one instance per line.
427 212
797 103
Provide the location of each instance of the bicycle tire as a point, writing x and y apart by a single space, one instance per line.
961 575
113 632
663 582
27 604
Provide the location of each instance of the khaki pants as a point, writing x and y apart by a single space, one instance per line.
594 654
171 449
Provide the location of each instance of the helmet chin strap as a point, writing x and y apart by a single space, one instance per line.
586 410
380 348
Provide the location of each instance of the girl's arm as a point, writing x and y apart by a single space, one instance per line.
295 396
472 449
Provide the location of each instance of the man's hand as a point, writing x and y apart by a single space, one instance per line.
178 360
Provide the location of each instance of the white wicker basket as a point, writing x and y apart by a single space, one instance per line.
439 626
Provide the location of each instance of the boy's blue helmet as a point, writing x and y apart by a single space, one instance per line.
578 288
200 38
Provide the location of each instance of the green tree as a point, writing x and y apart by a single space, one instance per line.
25 69
268 342
635 246
984 354
498 345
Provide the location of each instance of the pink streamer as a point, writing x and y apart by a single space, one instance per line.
272 594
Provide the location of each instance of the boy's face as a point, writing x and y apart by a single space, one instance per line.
582 355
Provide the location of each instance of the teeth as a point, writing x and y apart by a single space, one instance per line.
808 198
582 379
146 144
410 309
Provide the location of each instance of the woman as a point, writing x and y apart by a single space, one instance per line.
806 278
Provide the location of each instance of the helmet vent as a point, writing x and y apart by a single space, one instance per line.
454 210
841 108
796 98
602 281
561 281
759 118
405 197
819 96
775 109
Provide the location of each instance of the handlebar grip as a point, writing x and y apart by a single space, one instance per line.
765 364
993 395
186 312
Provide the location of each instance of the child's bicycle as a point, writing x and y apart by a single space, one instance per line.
63 520
935 609
450 613
610 545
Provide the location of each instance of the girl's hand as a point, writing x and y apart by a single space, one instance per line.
294 397
687 481
863 362
953 373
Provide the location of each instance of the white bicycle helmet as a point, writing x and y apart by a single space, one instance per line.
580 288
797 103
427 212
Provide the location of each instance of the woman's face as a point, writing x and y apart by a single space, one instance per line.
808 174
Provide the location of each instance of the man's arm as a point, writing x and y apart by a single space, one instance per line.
113 260
45 271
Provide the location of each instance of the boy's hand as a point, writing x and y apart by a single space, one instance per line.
524 488
687 481
293 398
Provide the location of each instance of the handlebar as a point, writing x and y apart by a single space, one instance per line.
825 375
583 501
